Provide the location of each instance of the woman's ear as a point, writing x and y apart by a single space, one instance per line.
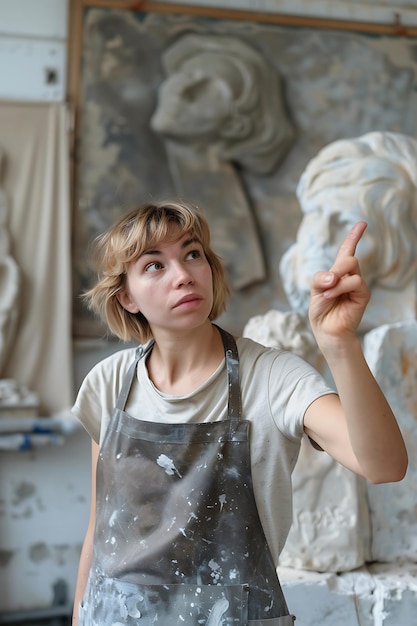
126 302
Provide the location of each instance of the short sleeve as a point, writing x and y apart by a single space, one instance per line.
87 407
293 386
99 390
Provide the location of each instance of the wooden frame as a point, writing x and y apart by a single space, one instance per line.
76 10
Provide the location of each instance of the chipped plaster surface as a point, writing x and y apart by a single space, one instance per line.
43 517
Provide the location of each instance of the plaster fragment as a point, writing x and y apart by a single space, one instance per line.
39 552
23 491
5 557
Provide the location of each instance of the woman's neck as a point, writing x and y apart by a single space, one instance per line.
179 365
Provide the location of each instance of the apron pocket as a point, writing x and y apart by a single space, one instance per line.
128 604
285 620
189 605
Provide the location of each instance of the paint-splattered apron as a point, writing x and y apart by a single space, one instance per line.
178 539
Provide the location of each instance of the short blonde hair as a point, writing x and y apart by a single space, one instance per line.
123 244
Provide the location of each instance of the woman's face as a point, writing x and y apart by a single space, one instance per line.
171 284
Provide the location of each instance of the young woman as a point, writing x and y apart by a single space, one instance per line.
196 433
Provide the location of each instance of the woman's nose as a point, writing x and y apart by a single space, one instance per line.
181 275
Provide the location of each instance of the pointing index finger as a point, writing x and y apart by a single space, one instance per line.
348 247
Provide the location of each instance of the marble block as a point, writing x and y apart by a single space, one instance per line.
381 594
331 526
327 599
395 593
391 352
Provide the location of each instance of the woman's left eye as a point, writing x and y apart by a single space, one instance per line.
194 254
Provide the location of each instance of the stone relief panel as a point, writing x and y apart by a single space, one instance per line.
333 85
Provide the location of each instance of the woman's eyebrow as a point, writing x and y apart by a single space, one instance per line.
150 251
187 242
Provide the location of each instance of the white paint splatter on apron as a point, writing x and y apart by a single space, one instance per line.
168 465
219 609
216 570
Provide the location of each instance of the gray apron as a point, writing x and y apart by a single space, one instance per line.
178 539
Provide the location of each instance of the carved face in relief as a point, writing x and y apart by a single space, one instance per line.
198 99
220 92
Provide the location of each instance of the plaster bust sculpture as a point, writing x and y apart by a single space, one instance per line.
221 90
9 283
371 178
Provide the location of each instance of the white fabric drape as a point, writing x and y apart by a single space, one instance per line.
36 180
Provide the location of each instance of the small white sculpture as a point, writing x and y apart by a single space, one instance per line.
285 330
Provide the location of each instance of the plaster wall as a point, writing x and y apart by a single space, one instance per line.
44 501
33 50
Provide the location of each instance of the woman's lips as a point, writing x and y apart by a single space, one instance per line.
190 298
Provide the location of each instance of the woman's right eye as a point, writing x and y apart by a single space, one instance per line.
153 267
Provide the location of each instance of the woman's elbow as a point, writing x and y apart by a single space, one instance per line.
391 473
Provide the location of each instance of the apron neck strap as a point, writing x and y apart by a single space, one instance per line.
234 408
141 351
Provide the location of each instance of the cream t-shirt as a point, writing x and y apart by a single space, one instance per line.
277 387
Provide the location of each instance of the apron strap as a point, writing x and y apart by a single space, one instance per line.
234 408
127 382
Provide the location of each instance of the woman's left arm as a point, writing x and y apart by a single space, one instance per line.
357 427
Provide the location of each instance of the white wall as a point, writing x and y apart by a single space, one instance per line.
356 10
33 35
33 50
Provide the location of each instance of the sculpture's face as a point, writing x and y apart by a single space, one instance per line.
321 234
319 237
195 101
